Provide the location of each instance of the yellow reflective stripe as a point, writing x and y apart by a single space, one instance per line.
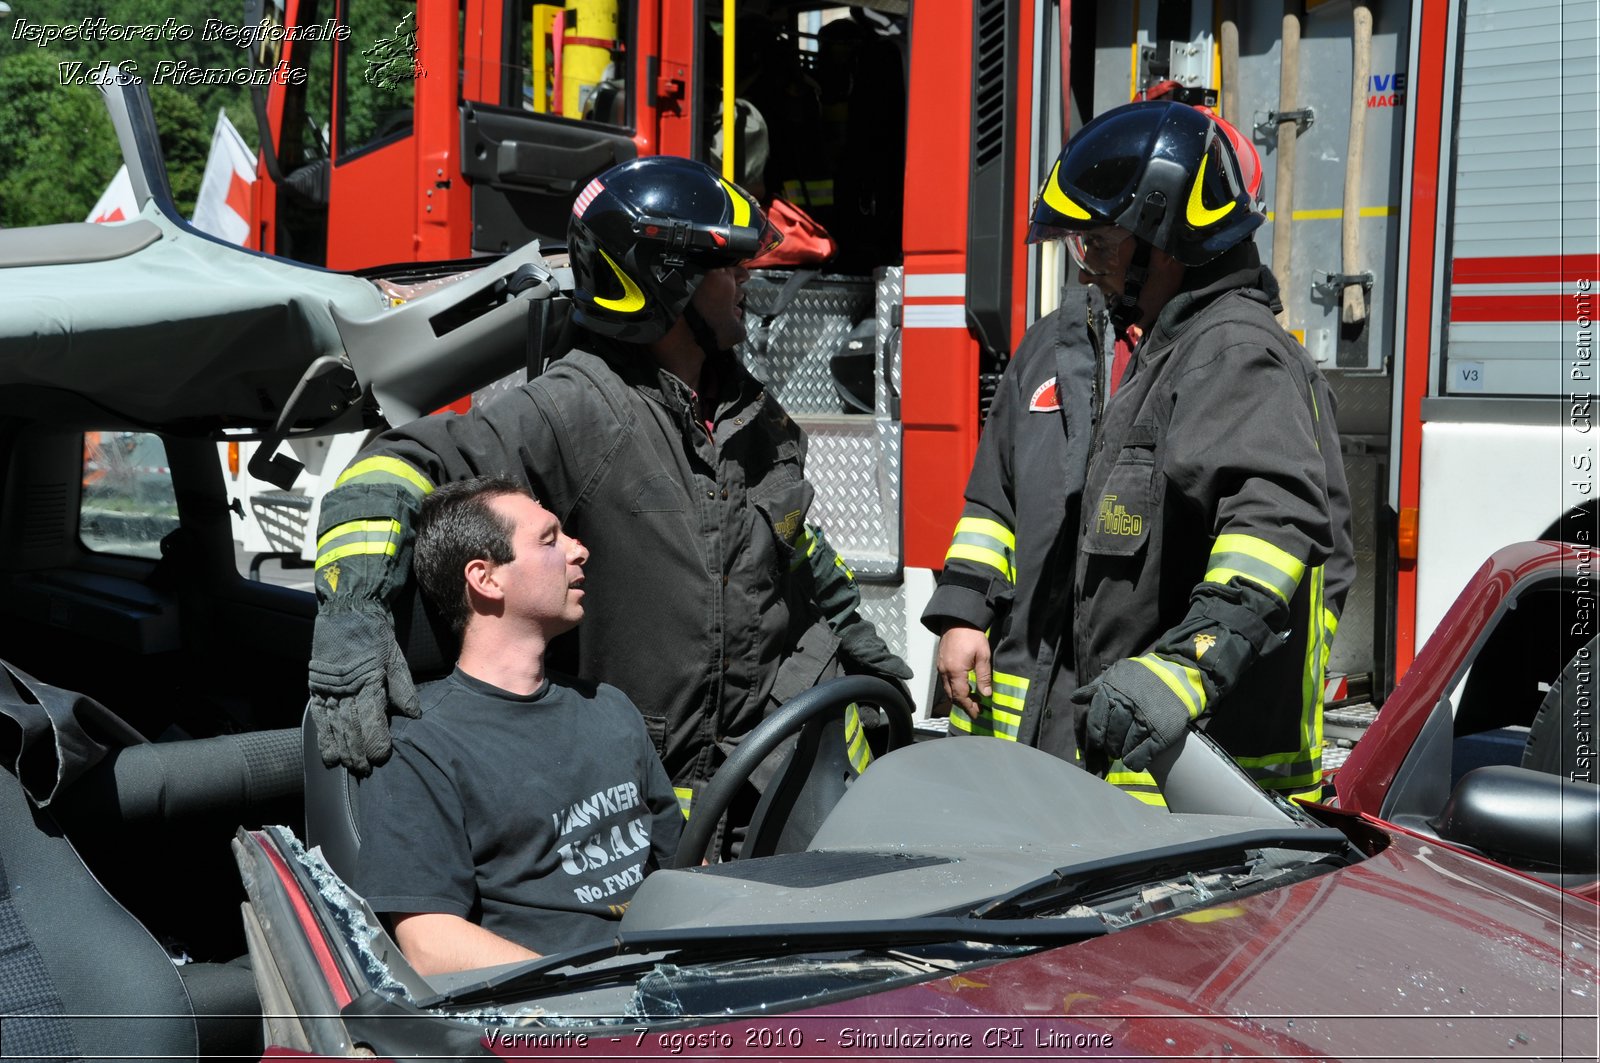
1197 213
992 528
804 546
1181 679
991 722
685 796
838 562
1313 794
1311 670
1056 198
1267 760
999 562
380 470
855 739
1138 784
632 298
1247 557
359 527
741 205
1284 771
812 192
986 542
1292 782
1319 610
1009 690
389 548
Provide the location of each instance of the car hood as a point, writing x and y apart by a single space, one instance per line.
1417 951
156 325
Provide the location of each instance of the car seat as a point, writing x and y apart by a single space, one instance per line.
78 963
333 813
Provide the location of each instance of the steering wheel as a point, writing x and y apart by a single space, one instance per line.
830 696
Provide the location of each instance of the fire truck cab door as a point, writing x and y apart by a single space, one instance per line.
525 169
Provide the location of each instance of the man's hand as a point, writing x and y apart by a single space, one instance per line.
962 650
1116 726
357 673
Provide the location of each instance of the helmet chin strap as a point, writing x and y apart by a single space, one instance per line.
1126 312
703 335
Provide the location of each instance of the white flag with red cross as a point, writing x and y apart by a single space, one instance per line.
223 206
117 202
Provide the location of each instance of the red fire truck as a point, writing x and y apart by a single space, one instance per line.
1429 179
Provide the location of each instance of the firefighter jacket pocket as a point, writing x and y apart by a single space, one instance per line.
784 507
659 494
1119 524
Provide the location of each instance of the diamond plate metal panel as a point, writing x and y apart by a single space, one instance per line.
1363 403
883 605
842 465
800 341
890 296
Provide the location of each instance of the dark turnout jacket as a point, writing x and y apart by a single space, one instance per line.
698 606
1217 520
1009 567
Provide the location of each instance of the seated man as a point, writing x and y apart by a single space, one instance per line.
519 811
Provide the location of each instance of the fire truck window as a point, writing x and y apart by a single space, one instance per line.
378 71
571 63
308 101
128 504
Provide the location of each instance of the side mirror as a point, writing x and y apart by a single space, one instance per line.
1525 818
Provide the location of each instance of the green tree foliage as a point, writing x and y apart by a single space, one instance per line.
57 148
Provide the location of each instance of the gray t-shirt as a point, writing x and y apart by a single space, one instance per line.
534 816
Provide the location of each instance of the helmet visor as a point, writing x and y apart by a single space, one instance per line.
1095 251
1041 233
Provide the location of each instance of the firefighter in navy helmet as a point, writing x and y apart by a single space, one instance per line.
648 233
710 598
1204 554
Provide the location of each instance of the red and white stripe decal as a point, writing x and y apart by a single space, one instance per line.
1527 288
935 300
592 189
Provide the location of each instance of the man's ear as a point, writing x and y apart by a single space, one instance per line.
480 576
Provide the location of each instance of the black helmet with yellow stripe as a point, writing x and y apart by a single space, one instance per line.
1162 170
644 234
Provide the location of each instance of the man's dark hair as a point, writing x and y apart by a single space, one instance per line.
457 525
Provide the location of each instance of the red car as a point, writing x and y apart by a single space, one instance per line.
976 898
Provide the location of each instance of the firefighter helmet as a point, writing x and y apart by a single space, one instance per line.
1162 170
644 234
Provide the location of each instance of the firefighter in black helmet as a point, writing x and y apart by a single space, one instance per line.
1208 550
1214 552
710 598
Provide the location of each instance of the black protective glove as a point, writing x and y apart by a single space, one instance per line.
863 651
1131 716
357 673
